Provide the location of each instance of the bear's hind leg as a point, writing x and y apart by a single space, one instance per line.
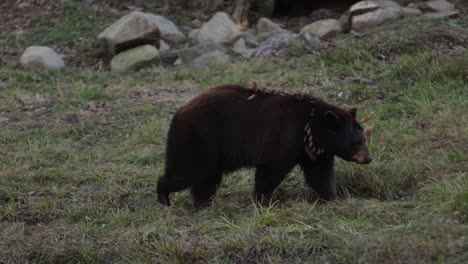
204 191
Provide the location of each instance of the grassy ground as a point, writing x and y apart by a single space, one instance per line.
81 150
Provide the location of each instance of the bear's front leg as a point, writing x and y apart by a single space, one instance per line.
320 175
267 178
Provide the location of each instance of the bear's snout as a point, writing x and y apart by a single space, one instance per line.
362 156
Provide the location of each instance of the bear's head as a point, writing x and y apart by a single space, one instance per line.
337 133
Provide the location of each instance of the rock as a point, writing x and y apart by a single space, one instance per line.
408 11
196 23
163 46
279 44
131 30
274 46
214 57
401 2
23 5
241 48
250 37
307 41
134 59
178 62
4 119
193 34
188 54
366 14
324 29
364 6
443 14
265 28
264 25
439 6
169 31
219 29
41 58
345 22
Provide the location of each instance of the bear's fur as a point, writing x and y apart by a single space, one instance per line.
229 127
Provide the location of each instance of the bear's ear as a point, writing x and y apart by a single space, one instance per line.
331 117
353 112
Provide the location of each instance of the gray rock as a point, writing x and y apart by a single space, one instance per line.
241 48
443 14
402 2
264 25
324 29
374 13
345 21
4 119
134 59
41 58
196 23
408 11
189 54
219 29
23 5
251 38
193 34
169 31
307 41
131 30
163 46
214 57
274 46
439 6
364 6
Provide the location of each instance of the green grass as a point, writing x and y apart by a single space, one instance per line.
70 25
81 152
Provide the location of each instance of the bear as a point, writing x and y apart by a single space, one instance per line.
228 127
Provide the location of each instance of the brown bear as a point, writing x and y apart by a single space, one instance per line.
229 127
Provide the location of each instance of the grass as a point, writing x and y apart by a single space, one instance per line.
81 151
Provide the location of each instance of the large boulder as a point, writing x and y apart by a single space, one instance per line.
134 59
169 31
41 58
374 13
131 30
219 29
214 57
324 29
